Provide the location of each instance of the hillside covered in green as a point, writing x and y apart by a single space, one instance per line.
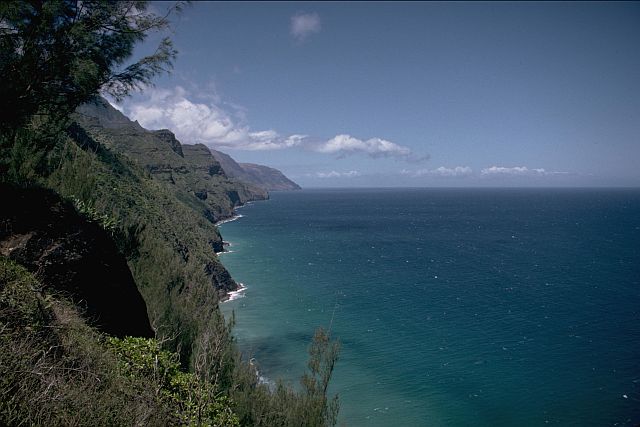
109 278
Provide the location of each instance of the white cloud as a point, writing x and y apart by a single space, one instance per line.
517 171
203 122
458 171
200 118
334 174
343 145
305 24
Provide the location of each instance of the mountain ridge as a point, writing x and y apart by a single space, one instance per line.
266 177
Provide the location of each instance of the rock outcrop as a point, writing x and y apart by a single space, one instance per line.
73 258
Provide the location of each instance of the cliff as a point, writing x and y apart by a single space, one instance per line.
73 257
162 208
108 230
161 198
117 228
212 183
259 176
270 178
191 172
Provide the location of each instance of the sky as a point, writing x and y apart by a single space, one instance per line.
412 94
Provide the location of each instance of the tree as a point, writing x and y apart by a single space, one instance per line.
56 55
323 355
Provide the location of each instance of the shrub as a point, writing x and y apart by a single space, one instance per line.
192 401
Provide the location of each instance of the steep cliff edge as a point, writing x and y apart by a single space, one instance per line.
259 176
210 179
270 178
164 199
155 203
147 190
72 257
191 172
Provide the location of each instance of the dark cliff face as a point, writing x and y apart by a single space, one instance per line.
174 193
72 257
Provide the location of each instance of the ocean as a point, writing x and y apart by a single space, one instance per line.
454 307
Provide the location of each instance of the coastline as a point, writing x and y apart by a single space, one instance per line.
225 245
237 294
239 291
233 217
234 295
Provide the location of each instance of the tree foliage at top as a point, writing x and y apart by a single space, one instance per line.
58 54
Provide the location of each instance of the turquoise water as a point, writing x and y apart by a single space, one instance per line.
453 306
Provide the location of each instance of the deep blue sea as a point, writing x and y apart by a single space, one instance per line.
454 307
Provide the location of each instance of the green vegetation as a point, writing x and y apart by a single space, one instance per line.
190 172
194 402
159 205
56 370
89 212
172 239
169 246
283 406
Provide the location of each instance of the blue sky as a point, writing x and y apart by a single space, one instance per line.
409 93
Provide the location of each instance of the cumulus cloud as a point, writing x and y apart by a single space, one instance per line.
202 118
305 24
334 174
343 145
203 122
458 171
517 171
